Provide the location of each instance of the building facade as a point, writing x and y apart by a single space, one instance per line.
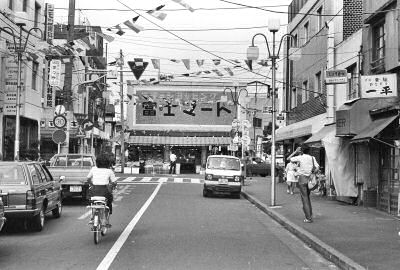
191 119
329 35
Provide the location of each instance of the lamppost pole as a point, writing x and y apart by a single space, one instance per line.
19 48
122 134
252 54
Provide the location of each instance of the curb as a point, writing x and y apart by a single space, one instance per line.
329 253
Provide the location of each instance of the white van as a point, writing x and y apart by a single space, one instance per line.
224 175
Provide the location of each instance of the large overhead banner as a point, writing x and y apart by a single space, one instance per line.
188 107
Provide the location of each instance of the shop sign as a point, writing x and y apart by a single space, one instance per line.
10 109
336 76
49 23
10 97
55 72
376 86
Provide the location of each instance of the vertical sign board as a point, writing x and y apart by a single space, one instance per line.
11 83
376 86
55 72
49 23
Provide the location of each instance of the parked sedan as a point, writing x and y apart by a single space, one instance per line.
261 168
2 218
29 192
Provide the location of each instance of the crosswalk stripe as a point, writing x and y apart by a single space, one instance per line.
133 179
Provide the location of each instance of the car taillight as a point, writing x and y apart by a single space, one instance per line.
237 178
30 199
209 176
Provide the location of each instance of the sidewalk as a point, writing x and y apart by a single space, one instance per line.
353 237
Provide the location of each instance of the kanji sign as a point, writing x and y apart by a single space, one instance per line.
383 85
55 72
336 76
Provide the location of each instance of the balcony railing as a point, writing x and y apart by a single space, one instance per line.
378 65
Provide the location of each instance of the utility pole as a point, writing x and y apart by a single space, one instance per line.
121 87
67 91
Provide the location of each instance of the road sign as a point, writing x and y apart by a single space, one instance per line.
59 136
59 110
80 133
55 72
336 76
87 124
59 121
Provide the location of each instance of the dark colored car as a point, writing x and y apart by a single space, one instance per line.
261 168
2 218
29 192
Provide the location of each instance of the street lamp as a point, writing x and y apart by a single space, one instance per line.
235 95
253 54
19 48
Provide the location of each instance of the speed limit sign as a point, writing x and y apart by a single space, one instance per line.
59 121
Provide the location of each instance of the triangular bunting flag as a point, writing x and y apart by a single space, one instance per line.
175 60
159 15
200 62
106 37
184 5
119 32
263 63
186 62
216 61
138 67
230 72
249 63
198 73
216 71
135 27
207 72
156 63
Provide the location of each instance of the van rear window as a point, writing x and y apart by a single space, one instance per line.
223 163
12 175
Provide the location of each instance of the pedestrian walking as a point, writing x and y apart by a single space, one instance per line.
172 163
306 165
291 176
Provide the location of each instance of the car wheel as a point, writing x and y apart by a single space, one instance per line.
205 192
236 195
57 211
38 221
263 175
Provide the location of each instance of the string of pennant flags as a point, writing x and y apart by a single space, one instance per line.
156 13
138 66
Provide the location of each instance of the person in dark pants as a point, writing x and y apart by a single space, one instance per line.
306 164
172 163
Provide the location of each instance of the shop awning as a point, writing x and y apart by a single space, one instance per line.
184 141
300 129
373 129
316 138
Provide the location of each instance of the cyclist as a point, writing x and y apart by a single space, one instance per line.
102 180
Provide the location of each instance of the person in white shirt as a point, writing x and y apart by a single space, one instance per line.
102 180
306 163
172 163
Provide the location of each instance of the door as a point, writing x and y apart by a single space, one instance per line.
37 187
389 180
47 185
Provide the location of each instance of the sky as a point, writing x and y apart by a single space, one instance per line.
215 29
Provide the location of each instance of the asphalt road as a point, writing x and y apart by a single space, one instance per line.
161 226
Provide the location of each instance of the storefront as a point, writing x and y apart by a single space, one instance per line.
371 128
190 119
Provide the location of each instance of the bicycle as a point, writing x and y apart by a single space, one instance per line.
99 218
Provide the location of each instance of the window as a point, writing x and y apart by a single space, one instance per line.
257 122
352 89
11 4
378 47
293 101
24 5
35 68
37 15
319 19
294 41
318 84
304 91
306 32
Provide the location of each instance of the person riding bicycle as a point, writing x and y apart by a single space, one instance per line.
102 180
